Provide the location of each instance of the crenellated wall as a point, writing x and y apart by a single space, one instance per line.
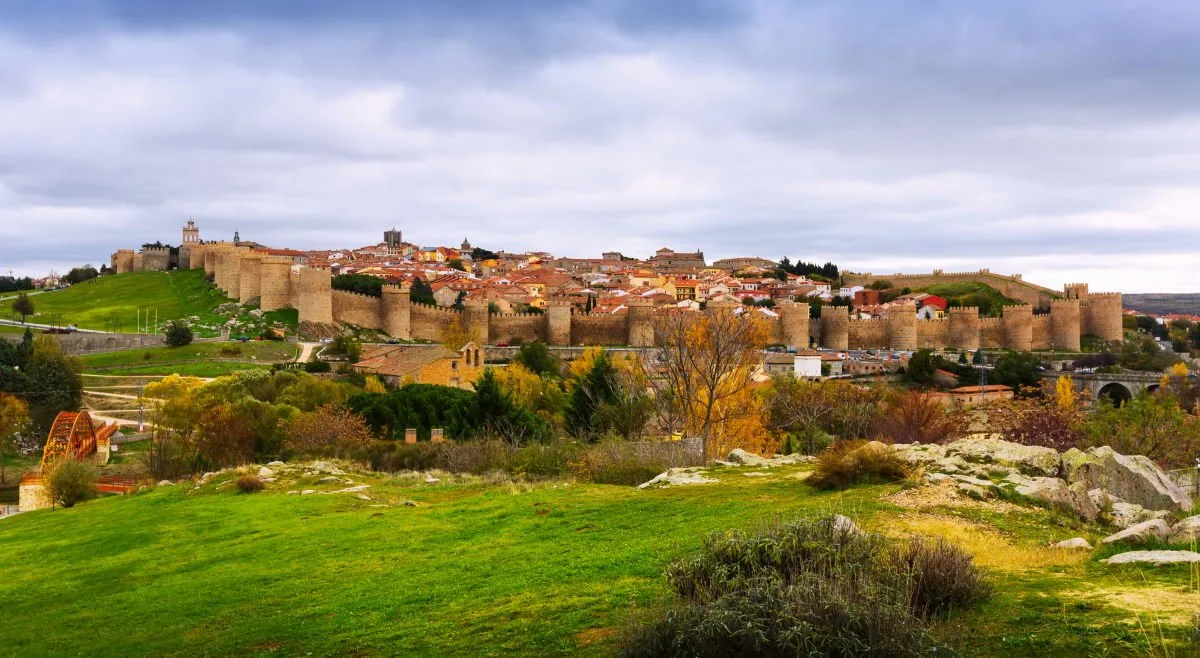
1040 331
122 261
991 333
428 322
933 334
528 327
357 309
155 259
599 329
793 325
870 333
1064 324
1101 316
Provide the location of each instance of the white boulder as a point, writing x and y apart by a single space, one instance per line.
1132 478
1154 557
1140 533
1076 543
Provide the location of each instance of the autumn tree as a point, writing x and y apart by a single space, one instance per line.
916 418
1037 418
1151 425
14 419
810 414
456 334
704 360
329 430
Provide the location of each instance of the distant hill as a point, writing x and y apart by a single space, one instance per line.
1164 303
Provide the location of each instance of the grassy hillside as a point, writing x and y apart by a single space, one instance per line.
111 303
479 568
198 359
967 293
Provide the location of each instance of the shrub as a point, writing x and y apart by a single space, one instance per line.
848 463
941 577
916 418
809 587
178 333
72 482
230 350
317 367
249 484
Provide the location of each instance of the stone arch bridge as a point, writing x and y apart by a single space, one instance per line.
1117 387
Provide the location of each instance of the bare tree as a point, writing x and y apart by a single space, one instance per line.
704 360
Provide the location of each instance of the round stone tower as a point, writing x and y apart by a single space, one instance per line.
902 326
476 318
397 308
1064 324
1018 327
275 283
1103 311
964 327
315 295
793 319
835 327
639 321
558 322
249 276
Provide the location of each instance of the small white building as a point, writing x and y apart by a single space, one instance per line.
807 364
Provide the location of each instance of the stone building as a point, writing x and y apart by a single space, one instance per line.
423 364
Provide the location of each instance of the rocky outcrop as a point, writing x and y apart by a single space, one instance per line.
743 458
1140 533
1030 460
1058 493
739 457
1132 478
1154 557
1099 483
1186 531
1078 543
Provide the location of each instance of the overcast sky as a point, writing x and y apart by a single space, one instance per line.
1057 139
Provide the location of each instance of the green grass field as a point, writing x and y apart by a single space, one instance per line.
111 303
481 569
197 359
962 289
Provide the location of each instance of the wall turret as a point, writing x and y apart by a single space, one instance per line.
835 327
558 322
397 309
477 319
1102 315
274 283
1018 327
793 318
155 259
1065 324
122 261
902 326
964 327
639 319
315 296
249 277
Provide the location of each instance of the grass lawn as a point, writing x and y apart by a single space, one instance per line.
481 569
111 303
15 329
197 359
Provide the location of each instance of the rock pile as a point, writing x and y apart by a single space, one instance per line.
1098 483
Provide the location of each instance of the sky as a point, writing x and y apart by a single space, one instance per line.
1059 140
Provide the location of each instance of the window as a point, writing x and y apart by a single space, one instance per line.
454 364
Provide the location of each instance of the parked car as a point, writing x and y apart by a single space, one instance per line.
502 344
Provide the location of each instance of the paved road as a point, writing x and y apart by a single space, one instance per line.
306 350
34 325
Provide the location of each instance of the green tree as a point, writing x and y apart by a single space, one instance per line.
537 358
1018 369
72 482
594 389
23 305
457 264
52 381
363 284
1151 425
422 293
920 368
178 333
978 358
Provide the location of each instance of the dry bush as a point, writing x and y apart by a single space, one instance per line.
916 418
330 430
942 577
249 484
847 463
